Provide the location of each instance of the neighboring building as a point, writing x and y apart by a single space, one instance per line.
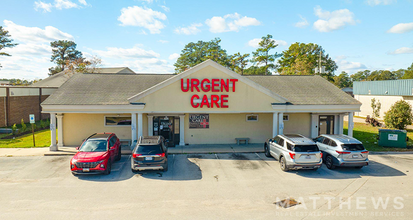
207 104
58 79
348 90
4 83
387 92
18 102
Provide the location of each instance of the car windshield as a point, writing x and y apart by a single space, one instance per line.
94 146
305 148
148 149
353 147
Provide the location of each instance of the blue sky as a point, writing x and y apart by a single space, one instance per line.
148 35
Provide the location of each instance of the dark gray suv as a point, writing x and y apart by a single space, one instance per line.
150 153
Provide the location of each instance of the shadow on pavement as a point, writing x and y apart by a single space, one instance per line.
181 167
373 169
120 171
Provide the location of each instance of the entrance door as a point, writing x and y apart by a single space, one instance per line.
165 126
326 125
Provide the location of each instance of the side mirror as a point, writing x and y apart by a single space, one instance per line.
113 148
77 148
270 140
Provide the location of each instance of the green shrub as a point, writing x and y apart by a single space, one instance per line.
14 129
24 127
399 115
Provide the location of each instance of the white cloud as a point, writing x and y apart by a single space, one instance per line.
191 29
47 7
59 4
126 53
330 21
65 4
348 66
147 1
31 57
83 2
174 56
163 41
302 23
380 2
401 28
403 50
230 22
165 8
142 17
35 34
255 42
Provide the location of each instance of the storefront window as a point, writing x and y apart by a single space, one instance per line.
117 121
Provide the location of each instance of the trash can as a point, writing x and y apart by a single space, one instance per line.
392 138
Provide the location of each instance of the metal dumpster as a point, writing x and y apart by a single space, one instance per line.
392 138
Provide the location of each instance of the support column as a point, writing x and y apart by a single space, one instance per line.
150 125
182 130
140 125
341 123
280 123
53 146
133 128
350 124
60 130
274 124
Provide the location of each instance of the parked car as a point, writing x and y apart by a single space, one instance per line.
96 154
342 150
150 153
294 151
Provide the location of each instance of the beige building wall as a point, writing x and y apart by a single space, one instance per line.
224 128
386 103
298 123
78 126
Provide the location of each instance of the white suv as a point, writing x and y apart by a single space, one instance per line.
342 150
294 151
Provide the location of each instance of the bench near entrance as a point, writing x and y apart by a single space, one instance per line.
242 139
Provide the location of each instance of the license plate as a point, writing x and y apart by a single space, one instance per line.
86 170
148 158
308 157
355 156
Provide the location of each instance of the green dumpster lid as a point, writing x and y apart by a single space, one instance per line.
391 130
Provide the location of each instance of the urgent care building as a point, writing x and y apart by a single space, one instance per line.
207 104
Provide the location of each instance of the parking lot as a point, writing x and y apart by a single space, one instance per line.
206 186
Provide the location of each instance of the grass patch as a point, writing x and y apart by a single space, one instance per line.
26 141
368 135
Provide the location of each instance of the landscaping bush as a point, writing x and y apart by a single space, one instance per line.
24 127
399 115
14 129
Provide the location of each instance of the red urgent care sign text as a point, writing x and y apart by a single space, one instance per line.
207 85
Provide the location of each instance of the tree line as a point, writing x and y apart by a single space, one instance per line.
298 59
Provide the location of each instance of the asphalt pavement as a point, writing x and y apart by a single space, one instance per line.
206 186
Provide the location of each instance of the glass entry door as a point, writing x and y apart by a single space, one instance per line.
326 124
165 126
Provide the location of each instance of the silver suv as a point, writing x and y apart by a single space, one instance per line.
294 151
342 150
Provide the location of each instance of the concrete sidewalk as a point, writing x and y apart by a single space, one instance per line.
187 149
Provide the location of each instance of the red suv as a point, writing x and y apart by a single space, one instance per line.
96 154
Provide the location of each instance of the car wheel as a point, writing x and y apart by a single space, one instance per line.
74 174
329 162
118 157
267 151
358 167
108 168
134 171
283 164
165 168
315 169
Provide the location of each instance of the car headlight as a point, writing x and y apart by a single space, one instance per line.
74 161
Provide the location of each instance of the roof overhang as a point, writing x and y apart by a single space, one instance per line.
315 108
136 107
